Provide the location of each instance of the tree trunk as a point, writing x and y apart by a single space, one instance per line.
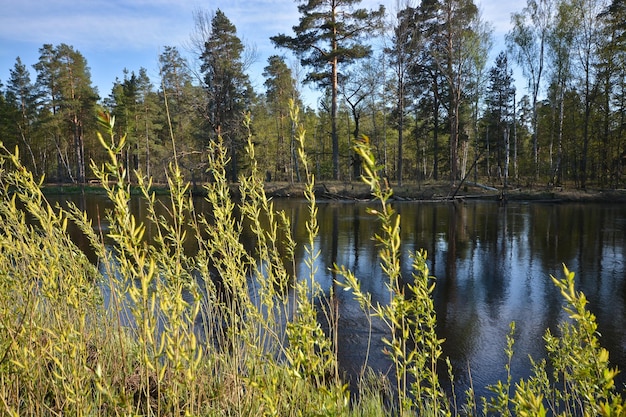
79 149
400 127
356 161
559 157
333 106
435 129
507 146
516 174
454 141
583 160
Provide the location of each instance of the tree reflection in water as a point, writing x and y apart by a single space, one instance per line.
492 265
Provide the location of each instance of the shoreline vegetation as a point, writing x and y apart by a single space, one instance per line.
233 331
427 191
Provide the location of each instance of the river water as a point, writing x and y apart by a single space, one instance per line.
492 266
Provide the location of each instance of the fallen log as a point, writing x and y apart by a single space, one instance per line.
483 186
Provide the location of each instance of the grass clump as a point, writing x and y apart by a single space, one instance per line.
159 329
413 345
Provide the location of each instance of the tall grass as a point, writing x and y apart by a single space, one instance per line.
229 330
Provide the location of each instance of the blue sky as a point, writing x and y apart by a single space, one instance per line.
116 34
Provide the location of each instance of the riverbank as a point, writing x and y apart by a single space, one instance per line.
443 191
424 191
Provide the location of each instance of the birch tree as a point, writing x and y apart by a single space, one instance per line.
527 43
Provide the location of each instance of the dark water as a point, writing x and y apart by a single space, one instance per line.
492 265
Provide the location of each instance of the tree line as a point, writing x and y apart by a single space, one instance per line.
416 81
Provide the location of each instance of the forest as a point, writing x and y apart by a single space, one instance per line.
428 100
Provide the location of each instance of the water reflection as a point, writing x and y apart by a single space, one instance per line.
493 266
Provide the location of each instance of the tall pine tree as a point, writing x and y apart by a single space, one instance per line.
228 90
22 98
280 88
68 99
499 114
330 33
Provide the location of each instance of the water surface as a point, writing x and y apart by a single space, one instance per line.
492 266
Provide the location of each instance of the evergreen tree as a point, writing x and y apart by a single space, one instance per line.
404 52
79 99
228 89
134 103
499 113
175 75
280 88
9 115
455 41
613 73
123 100
430 90
68 101
21 98
182 99
148 122
48 96
330 33
6 112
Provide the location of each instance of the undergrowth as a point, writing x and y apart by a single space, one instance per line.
155 329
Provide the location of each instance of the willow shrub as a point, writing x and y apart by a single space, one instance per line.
224 330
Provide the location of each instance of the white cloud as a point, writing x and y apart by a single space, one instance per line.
106 25
498 13
113 34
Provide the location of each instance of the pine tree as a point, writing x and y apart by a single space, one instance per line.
613 72
404 52
455 42
330 33
228 89
148 122
280 88
182 99
499 115
426 79
6 111
21 97
135 105
68 100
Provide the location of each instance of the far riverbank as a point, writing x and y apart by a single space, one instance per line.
424 191
443 191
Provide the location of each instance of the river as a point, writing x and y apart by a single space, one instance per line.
492 265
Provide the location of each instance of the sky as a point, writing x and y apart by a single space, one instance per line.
117 34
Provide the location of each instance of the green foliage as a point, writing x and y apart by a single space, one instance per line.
582 381
431 75
329 35
228 89
224 330
280 89
66 105
49 328
413 346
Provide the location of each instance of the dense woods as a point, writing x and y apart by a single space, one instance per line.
416 80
